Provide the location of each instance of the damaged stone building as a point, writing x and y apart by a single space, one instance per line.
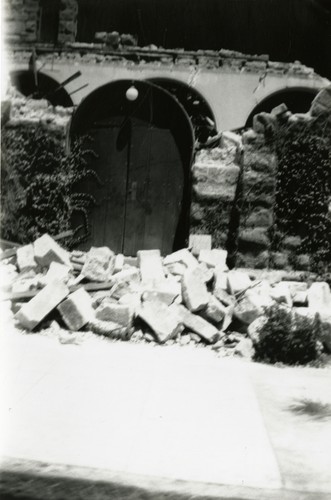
153 115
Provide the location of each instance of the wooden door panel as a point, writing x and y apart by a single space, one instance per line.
110 164
155 171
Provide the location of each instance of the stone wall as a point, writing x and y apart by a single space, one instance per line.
235 196
68 21
22 18
257 199
262 240
215 174
31 113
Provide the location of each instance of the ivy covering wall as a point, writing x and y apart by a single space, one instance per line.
39 184
303 192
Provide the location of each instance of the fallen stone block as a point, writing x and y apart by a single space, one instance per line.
221 279
170 286
161 319
183 256
131 261
33 312
131 299
25 258
256 327
194 291
250 307
227 320
203 328
319 298
185 339
166 298
238 282
245 348
119 263
281 293
300 299
132 274
195 337
214 258
23 285
198 242
215 310
78 257
224 297
47 250
150 265
177 268
296 286
99 264
206 274
77 310
57 271
118 313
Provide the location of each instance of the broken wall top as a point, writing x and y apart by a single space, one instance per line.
97 53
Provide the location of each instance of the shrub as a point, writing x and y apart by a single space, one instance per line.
288 338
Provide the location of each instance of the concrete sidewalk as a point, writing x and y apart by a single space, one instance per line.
171 418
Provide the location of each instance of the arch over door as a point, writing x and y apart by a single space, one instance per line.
143 155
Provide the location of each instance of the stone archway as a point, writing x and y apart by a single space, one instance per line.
46 87
195 105
297 99
143 157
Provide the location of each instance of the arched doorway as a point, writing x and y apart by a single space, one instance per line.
298 100
143 152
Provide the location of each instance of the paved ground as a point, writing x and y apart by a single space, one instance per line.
172 419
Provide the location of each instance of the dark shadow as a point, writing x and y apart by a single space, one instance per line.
46 88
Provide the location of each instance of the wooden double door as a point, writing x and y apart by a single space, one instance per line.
141 173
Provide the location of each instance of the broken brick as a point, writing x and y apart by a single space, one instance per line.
150 265
281 293
214 258
25 258
118 313
33 312
77 310
119 263
161 319
319 298
127 275
199 242
57 271
215 310
47 250
194 291
160 296
206 274
177 268
183 256
195 323
99 264
224 297
238 282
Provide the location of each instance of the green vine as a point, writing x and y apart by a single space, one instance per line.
40 185
304 188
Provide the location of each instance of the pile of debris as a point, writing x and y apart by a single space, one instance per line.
189 296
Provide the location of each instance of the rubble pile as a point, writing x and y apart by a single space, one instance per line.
189 296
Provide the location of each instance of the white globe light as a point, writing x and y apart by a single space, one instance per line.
131 93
